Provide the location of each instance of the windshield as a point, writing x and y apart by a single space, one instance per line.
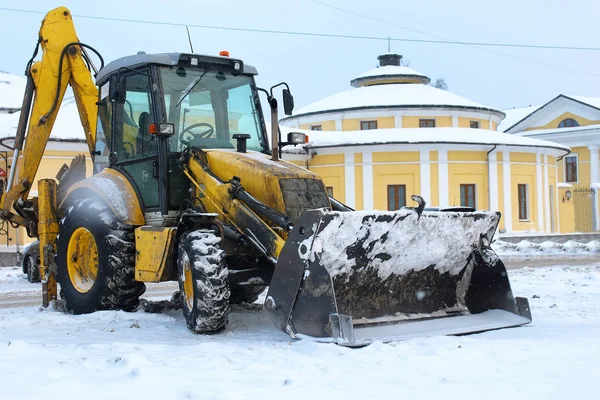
209 107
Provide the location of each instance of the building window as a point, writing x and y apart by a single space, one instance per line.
571 169
396 197
329 190
427 123
523 193
366 125
568 123
475 124
316 128
467 195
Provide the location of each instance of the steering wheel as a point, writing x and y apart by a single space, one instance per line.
200 135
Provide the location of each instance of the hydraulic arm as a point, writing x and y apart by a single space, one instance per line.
64 62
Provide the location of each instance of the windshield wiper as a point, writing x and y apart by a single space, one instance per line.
190 87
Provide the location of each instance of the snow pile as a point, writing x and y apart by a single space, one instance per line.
407 241
525 247
121 355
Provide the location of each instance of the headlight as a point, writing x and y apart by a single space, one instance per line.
297 138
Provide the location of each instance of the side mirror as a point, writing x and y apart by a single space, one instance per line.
288 102
116 89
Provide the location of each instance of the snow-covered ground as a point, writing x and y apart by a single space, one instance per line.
547 249
118 355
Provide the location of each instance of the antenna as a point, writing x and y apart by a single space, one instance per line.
189 38
389 51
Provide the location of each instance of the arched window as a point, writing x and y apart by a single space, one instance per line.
568 123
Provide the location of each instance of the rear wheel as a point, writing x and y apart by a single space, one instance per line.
33 272
96 260
203 281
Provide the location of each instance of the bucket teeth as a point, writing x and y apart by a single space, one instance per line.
343 270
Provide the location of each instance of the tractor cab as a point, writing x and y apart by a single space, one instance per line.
152 107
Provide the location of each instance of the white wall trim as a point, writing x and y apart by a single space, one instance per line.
506 181
425 175
443 190
547 194
493 181
367 180
338 124
595 178
539 194
397 122
349 179
454 121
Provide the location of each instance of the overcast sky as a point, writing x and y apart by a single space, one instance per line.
316 67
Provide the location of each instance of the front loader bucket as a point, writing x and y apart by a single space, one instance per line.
355 277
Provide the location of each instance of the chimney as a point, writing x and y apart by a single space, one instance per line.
389 59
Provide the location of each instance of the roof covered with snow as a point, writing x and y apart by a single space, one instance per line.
590 101
515 115
422 136
12 88
394 96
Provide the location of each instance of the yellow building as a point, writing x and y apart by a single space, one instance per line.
394 135
573 121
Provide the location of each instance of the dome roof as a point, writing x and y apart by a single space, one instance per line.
391 85
391 96
389 71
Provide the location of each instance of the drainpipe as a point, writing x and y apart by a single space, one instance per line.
489 178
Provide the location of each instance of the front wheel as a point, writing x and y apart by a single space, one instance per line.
203 281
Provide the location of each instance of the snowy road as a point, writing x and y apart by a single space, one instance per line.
117 355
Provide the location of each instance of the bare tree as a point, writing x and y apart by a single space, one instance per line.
404 63
440 83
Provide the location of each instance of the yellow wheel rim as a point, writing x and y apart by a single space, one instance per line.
82 260
188 283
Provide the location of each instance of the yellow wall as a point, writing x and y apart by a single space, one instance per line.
398 156
331 170
554 123
413 122
358 181
435 176
468 174
501 225
524 174
567 212
353 124
552 182
464 122
404 174
325 125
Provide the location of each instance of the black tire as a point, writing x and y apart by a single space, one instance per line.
114 287
205 303
240 295
33 272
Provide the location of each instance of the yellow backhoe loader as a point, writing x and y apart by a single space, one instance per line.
186 187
